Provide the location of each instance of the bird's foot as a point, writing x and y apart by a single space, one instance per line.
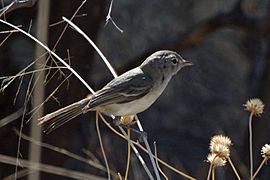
117 121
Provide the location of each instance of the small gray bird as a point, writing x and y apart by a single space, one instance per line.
128 94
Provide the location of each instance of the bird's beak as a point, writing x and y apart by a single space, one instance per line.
187 63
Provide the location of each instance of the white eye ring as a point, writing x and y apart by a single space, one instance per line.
174 61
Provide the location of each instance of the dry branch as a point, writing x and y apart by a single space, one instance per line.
49 168
17 4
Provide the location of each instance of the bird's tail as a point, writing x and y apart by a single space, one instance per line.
56 119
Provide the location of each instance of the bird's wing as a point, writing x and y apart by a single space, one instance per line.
123 89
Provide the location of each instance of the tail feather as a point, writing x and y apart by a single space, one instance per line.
49 127
56 119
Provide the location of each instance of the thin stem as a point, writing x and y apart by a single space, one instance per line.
119 175
260 167
250 145
213 173
12 117
138 155
71 174
93 45
128 156
109 17
19 144
233 168
209 171
102 148
151 156
65 152
6 38
160 170
51 52
5 9
145 150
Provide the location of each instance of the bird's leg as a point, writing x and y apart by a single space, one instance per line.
117 122
142 134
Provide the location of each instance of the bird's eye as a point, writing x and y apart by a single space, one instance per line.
174 61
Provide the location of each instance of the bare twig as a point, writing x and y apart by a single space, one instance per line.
6 38
102 148
19 144
148 148
213 173
160 170
233 168
39 90
109 18
7 80
17 4
48 168
210 170
65 28
62 21
18 89
33 111
20 74
128 156
93 163
9 31
145 150
51 52
119 175
260 167
4 10
21 173
10 118
125 136
250 145
93 45
59 38
137 154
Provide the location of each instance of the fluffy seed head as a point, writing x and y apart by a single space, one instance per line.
220 146
215 160
254 106
221 139
265 150
220 150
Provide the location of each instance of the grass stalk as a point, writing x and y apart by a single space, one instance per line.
209 171
233 168
259 168
102 148
250 145
128 156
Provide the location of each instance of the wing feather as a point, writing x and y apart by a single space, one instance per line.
122 90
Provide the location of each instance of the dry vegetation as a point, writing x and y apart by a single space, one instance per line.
48 65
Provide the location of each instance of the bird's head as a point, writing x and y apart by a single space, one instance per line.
166 62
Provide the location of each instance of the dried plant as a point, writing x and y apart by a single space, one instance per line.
255 106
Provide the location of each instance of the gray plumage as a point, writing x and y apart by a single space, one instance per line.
127 94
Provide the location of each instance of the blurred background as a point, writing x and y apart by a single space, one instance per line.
228 42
